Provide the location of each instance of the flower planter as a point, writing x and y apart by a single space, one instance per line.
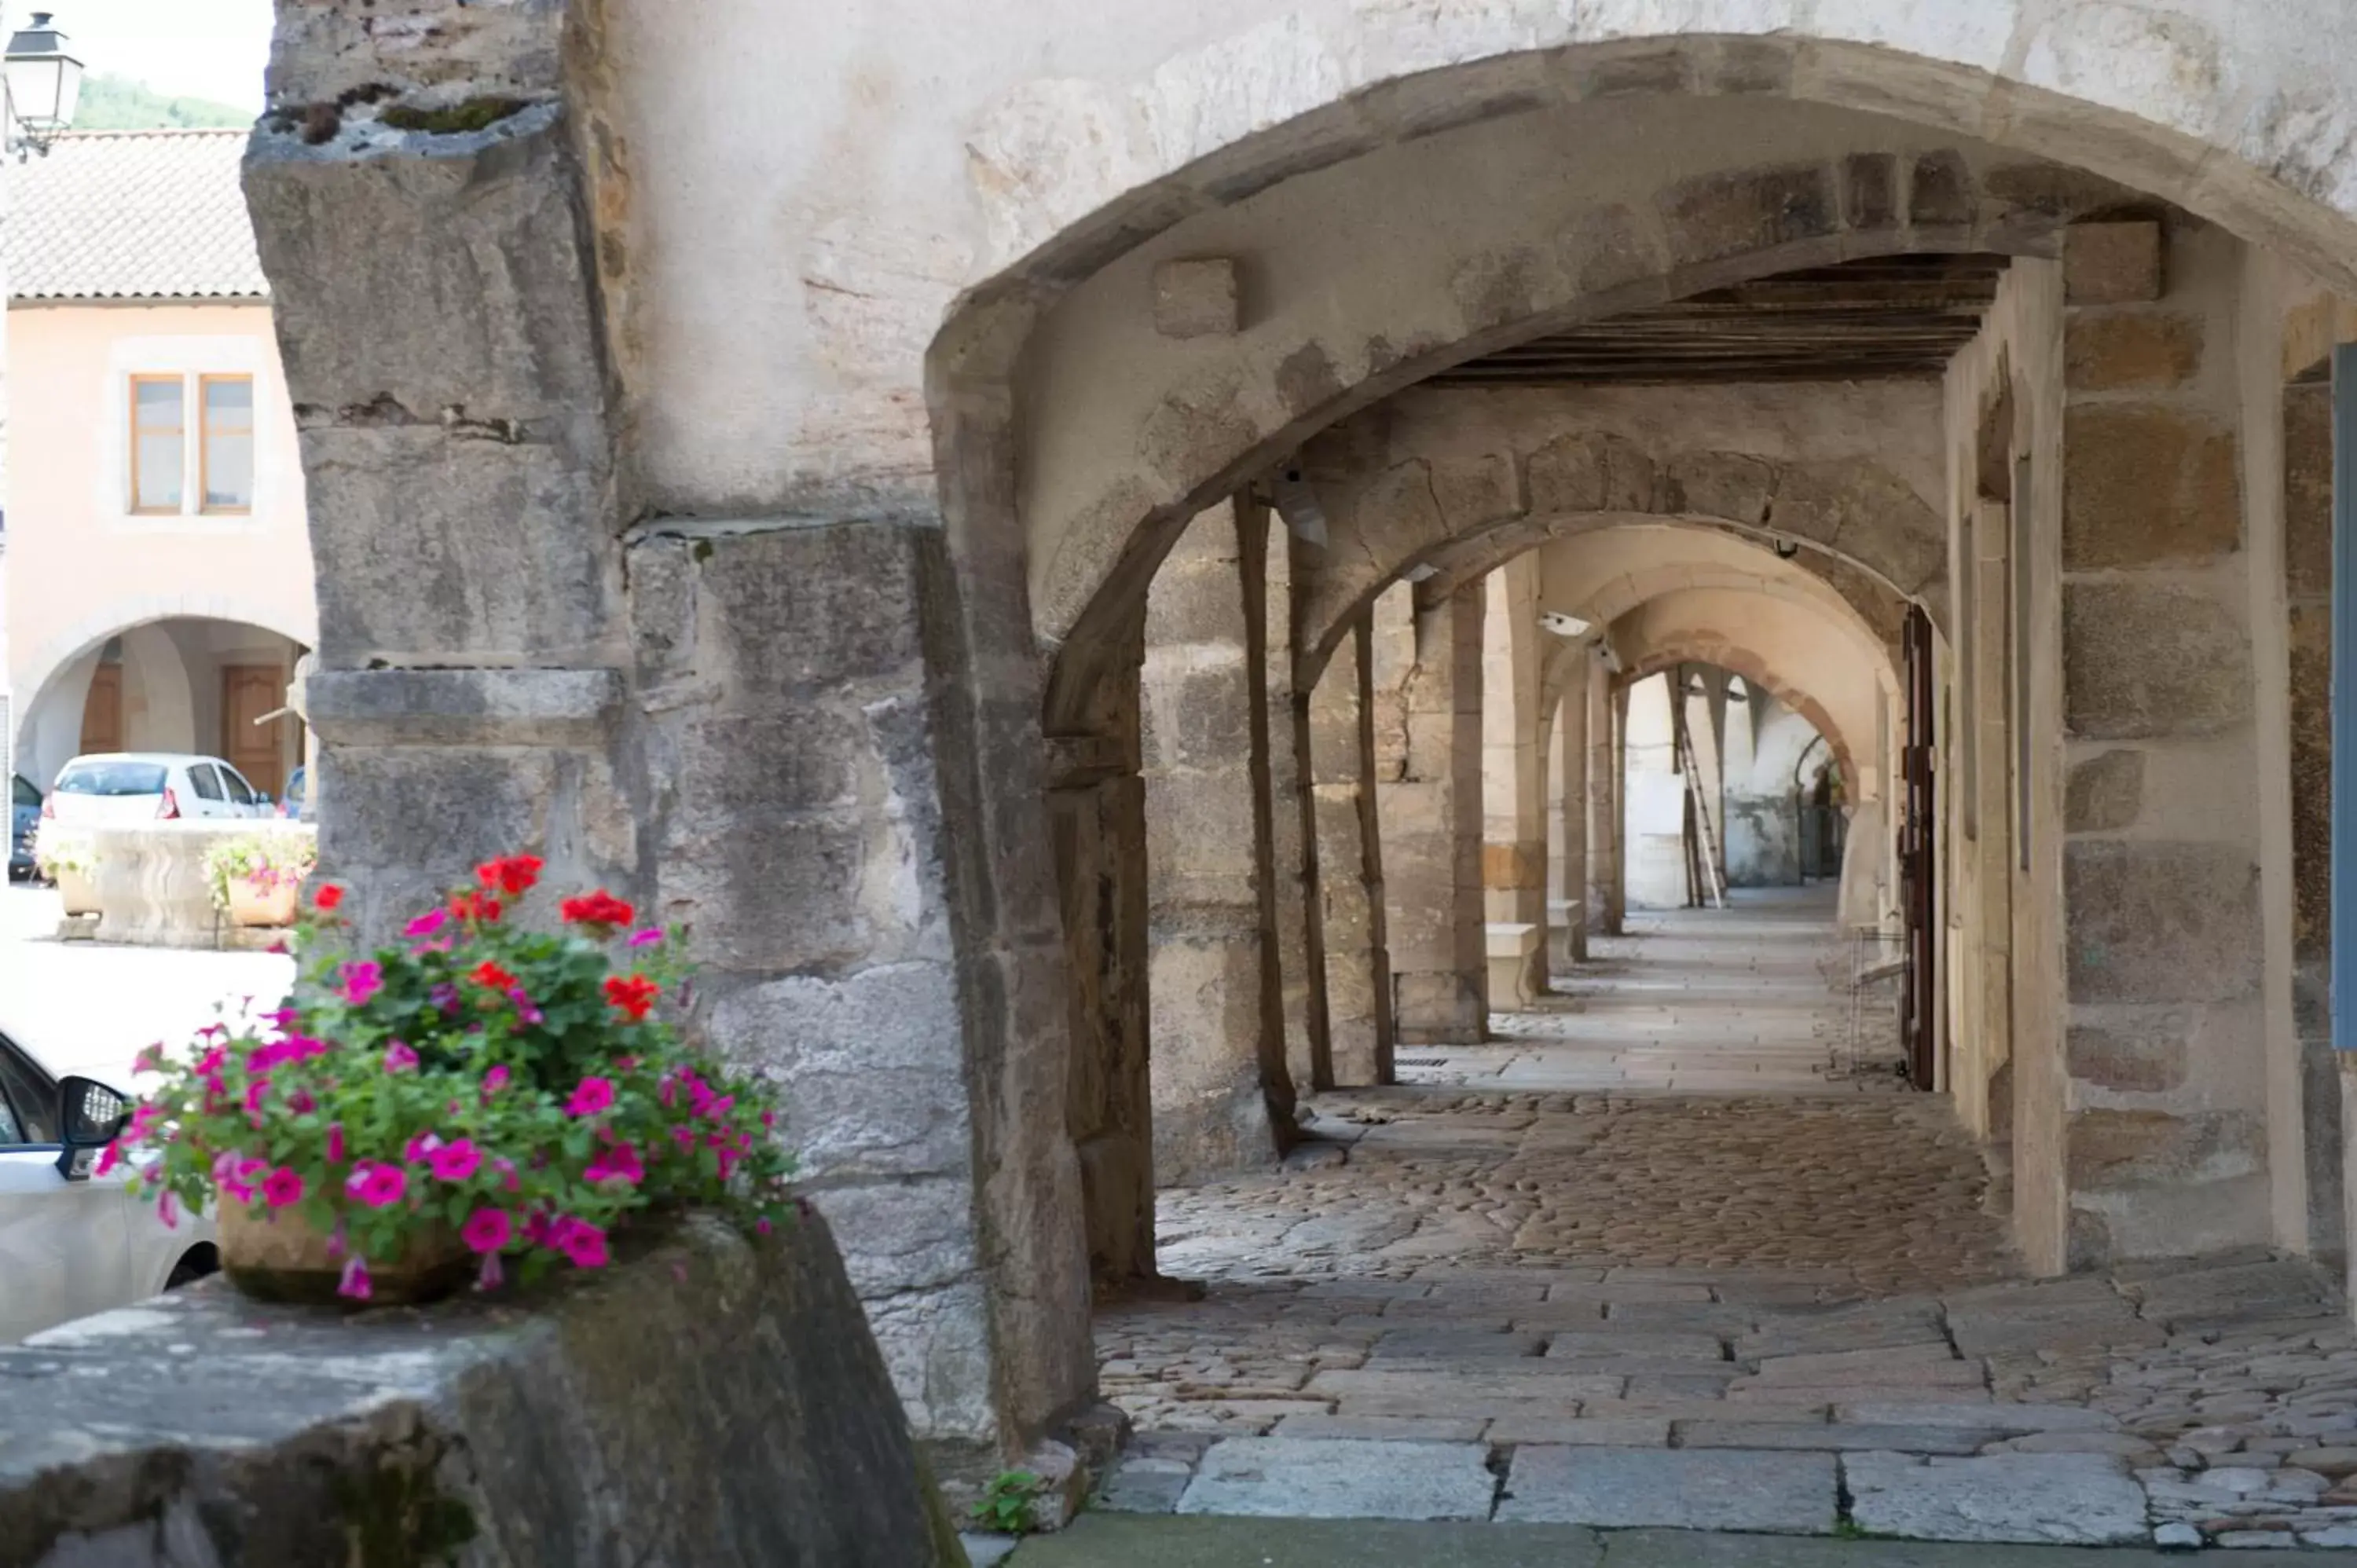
252 905
279 1257
79 889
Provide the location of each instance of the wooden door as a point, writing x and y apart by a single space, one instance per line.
1919 860
258 751
101 711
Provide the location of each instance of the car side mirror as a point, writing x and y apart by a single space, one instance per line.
90 1117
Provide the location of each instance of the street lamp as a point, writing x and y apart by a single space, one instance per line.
44 83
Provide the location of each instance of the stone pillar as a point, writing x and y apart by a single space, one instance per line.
1514 796
1096 812
1299 954
1604 824
1572 751
1222 1101
812 744
1349 862
1432 832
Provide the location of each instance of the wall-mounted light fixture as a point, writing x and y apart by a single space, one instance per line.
43 84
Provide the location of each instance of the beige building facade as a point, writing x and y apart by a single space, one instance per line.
159 568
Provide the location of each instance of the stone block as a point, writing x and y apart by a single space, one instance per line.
1341 1478
2147 485
2067 1499
2104 793
1833 1438
819 605
1734 485
206 1428
1590 471
1867 512
2151 921
2130 351
2110 1149
2144 659
1717 215
2110 263
1673 1488
1869 190
1940 192
463 707
2145 1058
1197 297
2308 488
1607 247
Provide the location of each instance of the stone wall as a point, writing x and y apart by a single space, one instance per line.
1350 860
708 1401
2167 1137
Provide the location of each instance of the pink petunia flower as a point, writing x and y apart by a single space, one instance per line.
594 1095
495 1081
645 939
486 1231
399 1058
420 1147
282 1187
378 1186
362 981
336 1144
581 1242
355 1283
426 925
455 1161
166 1210
620 1163
525 1011
487 1277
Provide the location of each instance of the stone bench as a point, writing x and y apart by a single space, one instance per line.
706 1402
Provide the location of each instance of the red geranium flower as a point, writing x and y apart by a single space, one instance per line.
327 896
633 995
479 907
491 976
598 908
512 875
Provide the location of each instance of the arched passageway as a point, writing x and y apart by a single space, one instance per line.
1148 440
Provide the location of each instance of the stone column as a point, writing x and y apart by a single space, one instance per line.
1222 1101
1604 825
1299 954
1572 747
1349 862
1513 798
1096 812
1432 834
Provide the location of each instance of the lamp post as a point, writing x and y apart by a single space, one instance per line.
44 82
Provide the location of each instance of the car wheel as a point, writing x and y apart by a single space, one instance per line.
194 1265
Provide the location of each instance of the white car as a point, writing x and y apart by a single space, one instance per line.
110 789
72 1243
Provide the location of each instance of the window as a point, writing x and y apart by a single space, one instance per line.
226 455
159 443
30 1098
112 779
240 792
206 782
21 791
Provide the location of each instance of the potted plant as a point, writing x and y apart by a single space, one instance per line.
479 1092
68 857
257 878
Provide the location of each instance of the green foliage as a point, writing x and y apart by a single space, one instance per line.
1006 1503
475 115
524 1090
266 861
119 104
57 847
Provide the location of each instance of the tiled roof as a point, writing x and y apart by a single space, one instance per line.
130 215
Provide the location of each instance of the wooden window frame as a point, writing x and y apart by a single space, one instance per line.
134 429
205 446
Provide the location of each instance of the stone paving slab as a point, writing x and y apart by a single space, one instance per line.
1834 1436
2064 1500
1341 1479
1677 1488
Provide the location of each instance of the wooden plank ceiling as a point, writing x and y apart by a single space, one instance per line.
1890 316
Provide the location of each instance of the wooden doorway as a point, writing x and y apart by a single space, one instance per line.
101 711
1919 860
256 751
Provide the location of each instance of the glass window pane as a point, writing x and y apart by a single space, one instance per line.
160 473
208 782
158 400
229 402
228 471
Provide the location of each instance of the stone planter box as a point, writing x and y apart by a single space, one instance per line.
151 882
706 1402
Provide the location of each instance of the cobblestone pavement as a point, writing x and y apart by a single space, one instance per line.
1780 1312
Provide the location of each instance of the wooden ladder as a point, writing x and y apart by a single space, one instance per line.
1710 881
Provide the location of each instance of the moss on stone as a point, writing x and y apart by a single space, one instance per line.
474 115
398 1517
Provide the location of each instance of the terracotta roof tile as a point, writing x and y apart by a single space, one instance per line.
130 215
